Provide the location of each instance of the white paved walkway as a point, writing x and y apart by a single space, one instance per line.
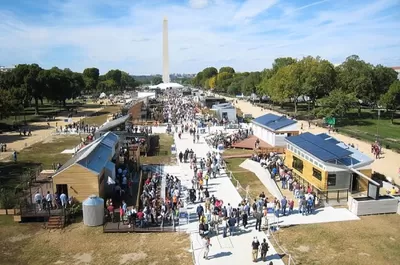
322 215
230 250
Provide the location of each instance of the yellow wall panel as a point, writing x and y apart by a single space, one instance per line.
80 181
307 173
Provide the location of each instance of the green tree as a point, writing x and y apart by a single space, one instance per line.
318 77
356 76
116 76
6 103
250 83
383 77
224 79
157 80
282 62
286 84
391 99
91 78
127 81
337 104
227 69
209 72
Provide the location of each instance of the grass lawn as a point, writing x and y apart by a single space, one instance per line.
164 156
22 244
101 116
372 240
368 129
237 151
49 151
246 178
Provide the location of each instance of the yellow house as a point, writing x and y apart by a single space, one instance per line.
328 166
87 171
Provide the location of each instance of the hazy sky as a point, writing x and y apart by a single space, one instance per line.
245 34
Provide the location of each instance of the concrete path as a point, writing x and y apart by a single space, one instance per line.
230 250
322 215
260 173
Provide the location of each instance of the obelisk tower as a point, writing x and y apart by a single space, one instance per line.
165 76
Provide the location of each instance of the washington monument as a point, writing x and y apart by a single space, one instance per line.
165 76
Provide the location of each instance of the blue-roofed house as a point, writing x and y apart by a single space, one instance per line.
273 129
88 170
225 110
332 168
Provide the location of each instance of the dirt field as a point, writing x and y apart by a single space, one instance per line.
22 244
372 240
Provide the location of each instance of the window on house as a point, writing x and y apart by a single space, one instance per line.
297 164
317 174
331 179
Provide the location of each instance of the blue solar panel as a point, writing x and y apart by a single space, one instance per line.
332 140
349 161
330 147
274 122
267 118
318 147
311 148
324 136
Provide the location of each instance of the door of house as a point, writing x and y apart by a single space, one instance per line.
62 188
355 183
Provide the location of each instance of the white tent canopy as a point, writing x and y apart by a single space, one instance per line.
166 85
103 95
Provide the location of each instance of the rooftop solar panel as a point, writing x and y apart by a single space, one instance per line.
332 140
274 122
324 136
330 147
318 147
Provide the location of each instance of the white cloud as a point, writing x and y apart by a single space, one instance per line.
199 3
201 37
252 8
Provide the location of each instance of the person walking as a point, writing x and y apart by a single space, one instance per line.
284 205
264 250
255 245
207 244
258 216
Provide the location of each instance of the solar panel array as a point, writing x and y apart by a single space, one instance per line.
274 122
328 138
318 147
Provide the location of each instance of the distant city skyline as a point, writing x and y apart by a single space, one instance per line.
245 34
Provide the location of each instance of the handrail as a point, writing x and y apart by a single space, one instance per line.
139 189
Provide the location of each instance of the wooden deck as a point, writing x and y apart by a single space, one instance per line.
249 143
119 227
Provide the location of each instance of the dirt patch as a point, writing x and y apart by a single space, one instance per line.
132 257
340 240
303 248
84 258
81 245
18 238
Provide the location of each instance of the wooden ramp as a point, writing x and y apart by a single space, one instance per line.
249 143
263 147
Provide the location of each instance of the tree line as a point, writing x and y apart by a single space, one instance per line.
334 89
29 82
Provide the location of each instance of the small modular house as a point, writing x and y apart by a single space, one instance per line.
225 110
88 170
273 129
328 165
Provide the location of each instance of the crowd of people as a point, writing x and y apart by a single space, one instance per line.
307 199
